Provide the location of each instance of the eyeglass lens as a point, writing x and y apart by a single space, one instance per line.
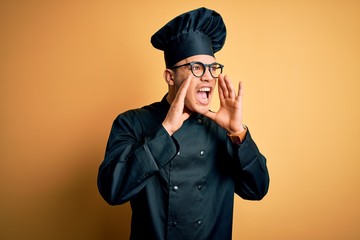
198 69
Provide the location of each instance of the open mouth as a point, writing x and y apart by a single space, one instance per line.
203 95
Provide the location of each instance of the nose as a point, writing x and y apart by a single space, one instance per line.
207 75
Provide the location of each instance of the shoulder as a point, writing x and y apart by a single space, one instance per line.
145 110
145 116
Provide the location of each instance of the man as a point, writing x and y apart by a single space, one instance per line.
178 163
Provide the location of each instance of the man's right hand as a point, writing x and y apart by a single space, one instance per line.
177 113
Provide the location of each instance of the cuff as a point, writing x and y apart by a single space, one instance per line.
238 138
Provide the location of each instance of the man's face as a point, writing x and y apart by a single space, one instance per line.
200 91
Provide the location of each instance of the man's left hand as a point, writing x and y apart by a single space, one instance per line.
229 116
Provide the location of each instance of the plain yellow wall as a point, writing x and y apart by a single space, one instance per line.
67 68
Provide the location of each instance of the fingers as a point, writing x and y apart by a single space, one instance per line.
177 113
180 96
178 105
223 93
230 87
226 89
240 90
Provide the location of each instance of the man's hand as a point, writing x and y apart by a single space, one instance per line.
229 116
177 113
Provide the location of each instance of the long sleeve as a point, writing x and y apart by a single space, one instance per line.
252 180
180 186
132 157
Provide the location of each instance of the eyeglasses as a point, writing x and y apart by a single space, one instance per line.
198 68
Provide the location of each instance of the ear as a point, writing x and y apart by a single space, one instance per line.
169 76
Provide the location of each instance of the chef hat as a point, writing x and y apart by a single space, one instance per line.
200 31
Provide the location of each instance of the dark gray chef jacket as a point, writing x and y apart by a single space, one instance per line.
181 186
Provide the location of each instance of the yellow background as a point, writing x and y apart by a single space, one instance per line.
67 68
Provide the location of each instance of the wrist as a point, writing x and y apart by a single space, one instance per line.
239 137
238 131
167 129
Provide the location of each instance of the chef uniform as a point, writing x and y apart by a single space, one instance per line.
181 186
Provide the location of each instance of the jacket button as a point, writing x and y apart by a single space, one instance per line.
199 222
202 153
199 120
199 187
175 188
174 224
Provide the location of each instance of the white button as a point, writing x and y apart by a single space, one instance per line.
202 153
199 120
175 188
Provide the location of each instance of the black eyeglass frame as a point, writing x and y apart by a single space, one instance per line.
205 66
